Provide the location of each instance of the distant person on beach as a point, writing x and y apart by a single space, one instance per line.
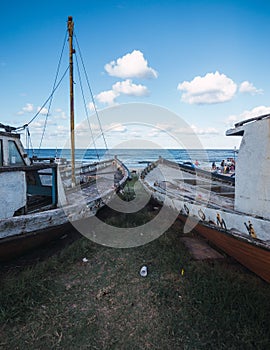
222 164
214 167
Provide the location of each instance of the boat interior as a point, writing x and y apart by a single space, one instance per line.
33 183
192 185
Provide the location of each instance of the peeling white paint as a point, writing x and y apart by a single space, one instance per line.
12 192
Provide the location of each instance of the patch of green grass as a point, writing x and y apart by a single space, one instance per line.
128 193
104 303
20 293
232 304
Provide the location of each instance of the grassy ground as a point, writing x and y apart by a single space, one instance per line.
104 303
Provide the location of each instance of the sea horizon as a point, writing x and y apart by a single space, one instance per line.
136 158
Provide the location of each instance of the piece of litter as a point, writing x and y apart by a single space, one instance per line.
143 271
182 272
84 260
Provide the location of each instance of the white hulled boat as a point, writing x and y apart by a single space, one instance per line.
233 214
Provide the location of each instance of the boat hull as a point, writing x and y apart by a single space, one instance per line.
252 256
242 236
15 246
26 232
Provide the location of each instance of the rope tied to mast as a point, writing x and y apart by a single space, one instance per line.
56 84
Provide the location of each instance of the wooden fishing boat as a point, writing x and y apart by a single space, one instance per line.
40 198
233 214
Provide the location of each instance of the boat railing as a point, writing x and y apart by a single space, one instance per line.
28 168
87 174
37 160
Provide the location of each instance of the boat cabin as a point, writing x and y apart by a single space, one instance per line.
252 180
26 185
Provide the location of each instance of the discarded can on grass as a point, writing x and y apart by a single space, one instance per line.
143 271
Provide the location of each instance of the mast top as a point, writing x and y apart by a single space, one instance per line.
70 25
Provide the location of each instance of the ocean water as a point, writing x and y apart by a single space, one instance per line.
138 158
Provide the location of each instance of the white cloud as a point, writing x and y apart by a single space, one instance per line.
28 108
247 87
42 111
188 130
61 115
159 130
231 120
107 97
255 112
193 129
116 127
210 89
131 65
82 129
126 87
153 133
60 131
38 124
91 106
204 131
165 127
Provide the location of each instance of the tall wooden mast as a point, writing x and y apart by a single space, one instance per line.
71 85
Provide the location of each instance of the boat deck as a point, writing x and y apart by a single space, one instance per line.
95 185
178 183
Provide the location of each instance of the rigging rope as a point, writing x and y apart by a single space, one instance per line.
85 107
44 104
29 142
92 96
54 84
55 87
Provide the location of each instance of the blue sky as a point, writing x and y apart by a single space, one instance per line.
206 61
